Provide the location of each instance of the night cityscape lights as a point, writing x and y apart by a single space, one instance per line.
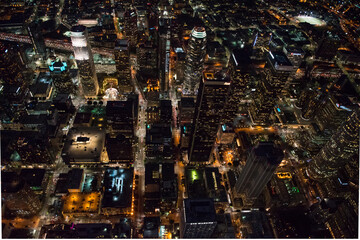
170 119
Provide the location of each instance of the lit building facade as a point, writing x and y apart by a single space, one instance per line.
259 168
208 111
198 218
338 150
194 63
240 71
122 59
84 60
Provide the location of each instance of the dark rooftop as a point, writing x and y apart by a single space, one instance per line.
199 210
269 152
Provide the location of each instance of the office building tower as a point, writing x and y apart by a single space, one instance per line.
122 59
164 56
308 102
142 21
274 82
121 117
147 58
187 110
281 69
130 26
165 111
198 218
165 16
208 111
84 60
240 71
37 39
338 150
259 168
194 63
263 103
333 111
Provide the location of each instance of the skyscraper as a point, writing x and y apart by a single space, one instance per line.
274 82
240 71
164 51
338 150
84 60
122 59
194 63
130 27
198 218
259 168
208 111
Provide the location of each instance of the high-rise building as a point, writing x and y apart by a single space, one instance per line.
259 168
198 218
130 26
37 39
338 150
274 81
208 111
147 58
122 59
142 21
333 111
194 63
240 71
165 16
281 69
263 103
84 60
164 56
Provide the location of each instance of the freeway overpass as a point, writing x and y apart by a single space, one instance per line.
53 43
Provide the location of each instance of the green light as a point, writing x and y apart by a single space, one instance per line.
295 189
194 175
148 126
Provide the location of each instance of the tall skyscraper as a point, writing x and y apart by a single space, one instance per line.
84 60
338 150
240 71
198 218
164 51
274 82
147 58
37 39
208 111
165 16
259 168
122 59
130 27
194 63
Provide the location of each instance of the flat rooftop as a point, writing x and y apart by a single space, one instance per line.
199 210
84 144
82 202
118 187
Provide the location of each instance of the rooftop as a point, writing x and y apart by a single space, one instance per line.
199 210
118 187
84 143
77 202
